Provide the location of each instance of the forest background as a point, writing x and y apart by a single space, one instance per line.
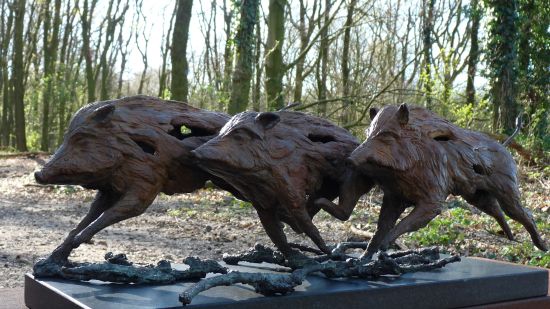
477 63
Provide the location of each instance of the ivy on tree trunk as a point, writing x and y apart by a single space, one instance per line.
180 67
502 58
242 73
274 66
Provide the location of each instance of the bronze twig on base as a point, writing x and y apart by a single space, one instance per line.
393 264
118 269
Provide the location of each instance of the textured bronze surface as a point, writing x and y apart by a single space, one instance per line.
282 162
418 159
129 150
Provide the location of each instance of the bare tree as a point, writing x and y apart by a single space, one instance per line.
19 76
164 50
7 107
305 31
180 65
346 87
142 48
50 46
86 16
473 56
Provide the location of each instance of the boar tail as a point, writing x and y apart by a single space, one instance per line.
519 124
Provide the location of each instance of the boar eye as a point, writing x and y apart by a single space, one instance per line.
240 136
146 147
81 135
388 135
243 134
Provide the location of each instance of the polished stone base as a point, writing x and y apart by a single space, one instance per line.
470 282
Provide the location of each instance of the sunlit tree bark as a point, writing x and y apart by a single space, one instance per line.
180 66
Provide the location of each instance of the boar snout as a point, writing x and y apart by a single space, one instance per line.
358 157
210 151
196 155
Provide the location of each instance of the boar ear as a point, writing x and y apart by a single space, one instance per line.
403 114
267 119
372 112
101 114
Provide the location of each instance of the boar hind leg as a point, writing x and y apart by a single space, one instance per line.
127 207
350 191
102 201
391 209
274 229
510 203
420 216
489 205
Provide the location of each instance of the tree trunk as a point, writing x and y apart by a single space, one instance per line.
256 97
299 79
346 103
274 66
427 30
323 54
6 88
534 61
18 76
50 45
503 64
86 19
228 52
165 49
475 16
178 54
242 74
105 63
65 76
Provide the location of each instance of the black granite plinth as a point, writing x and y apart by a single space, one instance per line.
467 283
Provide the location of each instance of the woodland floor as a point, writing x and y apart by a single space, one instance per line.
34 219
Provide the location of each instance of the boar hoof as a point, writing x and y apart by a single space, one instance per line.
47 268
366 257
296 259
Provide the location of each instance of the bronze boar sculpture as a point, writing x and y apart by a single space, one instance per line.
130 150
418 159
282 162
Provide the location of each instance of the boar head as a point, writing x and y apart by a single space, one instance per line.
87 156
243 145
392 141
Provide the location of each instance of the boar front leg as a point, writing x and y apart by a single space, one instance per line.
419 217
392 208
351 189
132 204
103 200
304 221
274 229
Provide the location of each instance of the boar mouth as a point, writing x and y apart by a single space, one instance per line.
62 178
370 165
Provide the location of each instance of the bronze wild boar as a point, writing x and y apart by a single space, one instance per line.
129 150
282 162
418 159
